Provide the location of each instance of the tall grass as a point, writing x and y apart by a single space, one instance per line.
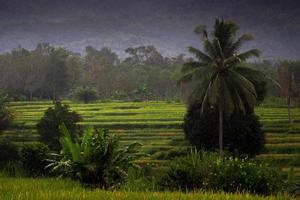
59 189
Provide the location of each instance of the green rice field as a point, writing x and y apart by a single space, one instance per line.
54 189
157 125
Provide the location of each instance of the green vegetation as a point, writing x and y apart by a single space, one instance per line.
208 171
6 115
240 130
97 160
221 82
36 189
9 153
157 125
48 126
34 159
146 151
85 94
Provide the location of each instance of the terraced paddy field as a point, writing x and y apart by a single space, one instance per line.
157 125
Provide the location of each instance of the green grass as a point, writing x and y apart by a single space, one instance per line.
53 189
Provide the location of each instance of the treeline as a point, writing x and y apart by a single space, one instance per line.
53 73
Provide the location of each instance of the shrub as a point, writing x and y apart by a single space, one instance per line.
239 131
12 169
207 171
86 94
137 181
48 127
33 159
97 160
6 116
9 153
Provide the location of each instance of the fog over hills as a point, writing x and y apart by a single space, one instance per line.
166 24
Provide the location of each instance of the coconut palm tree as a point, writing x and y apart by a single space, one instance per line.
221 81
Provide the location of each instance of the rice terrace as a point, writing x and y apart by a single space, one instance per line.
157 126
149 100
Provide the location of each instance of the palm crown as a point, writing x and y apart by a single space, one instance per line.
220 79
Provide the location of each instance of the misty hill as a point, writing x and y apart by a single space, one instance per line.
166 24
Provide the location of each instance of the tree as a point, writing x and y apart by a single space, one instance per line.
56 73
240 130
86 94
48 127
286 83
6 115
99 65
221 82
288 73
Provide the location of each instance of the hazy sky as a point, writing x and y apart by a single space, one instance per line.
167 24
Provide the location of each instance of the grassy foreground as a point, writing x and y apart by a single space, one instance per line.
48 188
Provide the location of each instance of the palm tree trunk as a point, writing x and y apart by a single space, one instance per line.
221 119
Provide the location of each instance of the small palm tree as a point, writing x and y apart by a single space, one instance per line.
221 82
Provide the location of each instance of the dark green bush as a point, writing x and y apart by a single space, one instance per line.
86 94
8 153
207 171
242 133
12 169
33 159
48 127
6 115
137 181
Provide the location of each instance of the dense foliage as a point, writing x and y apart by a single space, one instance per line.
207 171
85 94
97 160
48 126
242 132
34 159
6 116
47 72
9 153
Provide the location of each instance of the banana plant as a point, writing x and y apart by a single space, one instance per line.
97 160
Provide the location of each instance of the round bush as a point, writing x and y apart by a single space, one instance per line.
207 171
33 159
48 127
9 153
86 94
242 133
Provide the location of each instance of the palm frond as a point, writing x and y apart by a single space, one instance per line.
209 48
249 54
68 145
213 91
200 55
244 88
244 82
201 30
228 98
190 66
219 48
237 45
